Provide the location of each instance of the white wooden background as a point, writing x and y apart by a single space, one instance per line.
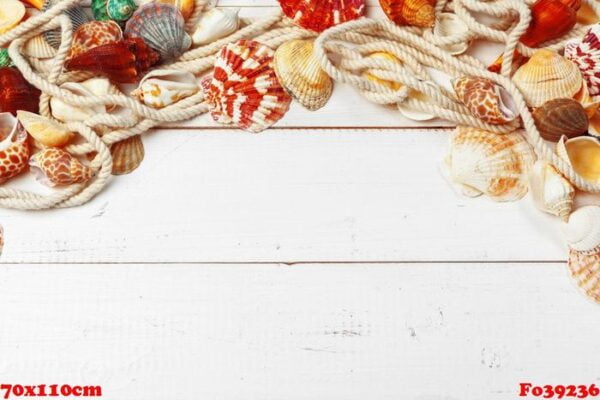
323 259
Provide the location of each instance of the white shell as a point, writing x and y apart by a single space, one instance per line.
448 25
416 115
551 192
160 88
96 86
216 24
583 229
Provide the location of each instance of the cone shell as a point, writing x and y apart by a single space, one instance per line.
77 16
371 75
585 53
550 19
449 25
301 75
481 162
93 34
319 15
561 117
44 130
114 60
55 167
14 150
37 47
583 153
216 24
551 192
486 100
127 155
11 13
547 76
419 13
161 88
16 93
244 89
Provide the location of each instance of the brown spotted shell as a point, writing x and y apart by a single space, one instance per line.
561 117
127 155
14 150
56 167
485 100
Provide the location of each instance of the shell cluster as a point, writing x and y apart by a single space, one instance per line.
319 15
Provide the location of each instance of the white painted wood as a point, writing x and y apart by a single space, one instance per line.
418 332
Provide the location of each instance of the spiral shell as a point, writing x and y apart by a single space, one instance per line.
11 13
561 117
127 155
551 192
161 88
14 150
319 15
55 167
5 60
44 130
116 10
93 34
216 24
486 100
419 13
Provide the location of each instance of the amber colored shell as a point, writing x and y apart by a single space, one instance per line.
550 19
319 15
115 61
485 100
14 150
410 12
56 167
11 13
127 155
145 56
93 34
561 117
16 93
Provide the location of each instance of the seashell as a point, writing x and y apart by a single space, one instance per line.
11 13
161 26
416 115
584 268
368 74
518 60
145 57
115 10
550 19
114 60
585 53
590 104
486 100
55 167
561 117
481 162
551 192
449 25
161 88
16 93
547 76
127 155
186 7
583 154
586 15
14 150
216 24
44 130
93 34
38 47
319 15
35 3
301 75
244 89
76 14
419 13
5 60
92 87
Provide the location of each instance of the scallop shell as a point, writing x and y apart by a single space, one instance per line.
449 25
115 61
161 88
551 192
38 47
301 75
419 13
116 10
550 19
589 103
5 60
486 100
416 115
584 268
16 93
44 130
547 76
244 89
11 13
55 167
14 150
216 24
583 154
585 53
77 15
185 6
93 34
561 117
481 162
161 26
372 76
319 15
127 155
92 87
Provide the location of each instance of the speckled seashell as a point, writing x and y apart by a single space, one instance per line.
319 15
561 117
162 28
583 154
55 167
216 24
93 34
161 88
481 162
116 10
584 268
449 25
14 150
77 15
11 13
185 6
127 155
551 192
45 131
38 47
486 100
419 13
301 75
547 76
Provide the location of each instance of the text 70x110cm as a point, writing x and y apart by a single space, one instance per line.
8 391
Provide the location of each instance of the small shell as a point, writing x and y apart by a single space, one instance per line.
185 6
216 24
161 88
93 34
11 13
77 15
547 76
584 268
319 15
127 155
55 167
419 13
5 60
551 192
44 130
244 89
449 25
301 75
585 53
38 47
481 162
561 117
14 150
92 87
550 19
486 100
371 75
583 229
16 93
413 114
583 153
115 61
116 10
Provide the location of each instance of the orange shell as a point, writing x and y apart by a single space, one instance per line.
410 12
551 19
16 93
93 34
14 150
56 167
114 60
319 15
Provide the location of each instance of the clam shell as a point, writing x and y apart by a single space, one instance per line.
161 88
582 231
216 24
301 75
561 117
55 167
14 150
370 75
115 61
44 130
16 93
244 89
550 19
68 113
419 13
449 25
127 155
77 15
551 192
486 100
116 10
319 15
481 162
547 76
585 53
38 47
185 6
11 13
93 34
583 153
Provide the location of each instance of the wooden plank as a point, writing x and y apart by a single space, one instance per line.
284 196
427 332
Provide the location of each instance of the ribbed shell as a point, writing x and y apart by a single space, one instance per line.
127 155
55 167
116 10
561 117
584 268
485 100
93 34
551 192
162 28
163 87
319 15
38 47
301 75
410 12
16 93
76 14
185 6
11 13
585 53
14 150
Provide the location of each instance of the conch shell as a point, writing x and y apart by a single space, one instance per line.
44 130
55 167
216 24
561 117
486 100
14 150
551 192
550 19
419 13
161 88
583 154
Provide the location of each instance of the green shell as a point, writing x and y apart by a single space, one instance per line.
116 10
5 60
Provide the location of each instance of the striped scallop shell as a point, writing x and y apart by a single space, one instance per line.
486 100
127 155
55 167
319 15
77 15
14 150
38 47
244 89
585 53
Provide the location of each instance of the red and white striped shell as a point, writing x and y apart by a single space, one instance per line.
244 89
14 150
585 53
56 167
319 15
